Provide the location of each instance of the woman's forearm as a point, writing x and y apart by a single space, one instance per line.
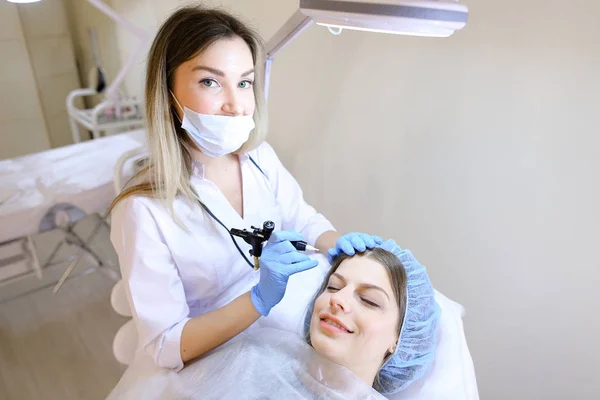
326 241
208 331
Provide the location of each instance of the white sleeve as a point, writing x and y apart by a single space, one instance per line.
296 213
154 289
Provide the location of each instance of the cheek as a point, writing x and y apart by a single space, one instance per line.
203 103
249 103
378 329
196 98
321 303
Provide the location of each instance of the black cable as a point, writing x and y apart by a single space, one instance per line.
223 225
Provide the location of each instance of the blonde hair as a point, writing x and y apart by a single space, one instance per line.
184 35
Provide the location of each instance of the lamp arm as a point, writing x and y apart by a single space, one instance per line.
111 92
290 30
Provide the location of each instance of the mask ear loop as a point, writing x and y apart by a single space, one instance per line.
180 120
179 105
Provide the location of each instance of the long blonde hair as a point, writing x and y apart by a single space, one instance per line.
184 35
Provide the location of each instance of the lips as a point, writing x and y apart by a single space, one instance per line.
333 321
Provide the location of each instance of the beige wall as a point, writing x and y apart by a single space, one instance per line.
478 152
37 72
22 126
46 30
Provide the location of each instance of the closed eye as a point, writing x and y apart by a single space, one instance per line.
332 289
369 302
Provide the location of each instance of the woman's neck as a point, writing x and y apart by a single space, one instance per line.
366 374
211 163
338 376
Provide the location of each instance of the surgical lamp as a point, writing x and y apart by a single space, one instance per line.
432 18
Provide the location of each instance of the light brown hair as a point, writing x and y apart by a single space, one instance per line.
398 280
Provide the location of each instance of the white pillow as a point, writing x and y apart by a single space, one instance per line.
452 375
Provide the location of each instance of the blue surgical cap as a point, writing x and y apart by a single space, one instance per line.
416 345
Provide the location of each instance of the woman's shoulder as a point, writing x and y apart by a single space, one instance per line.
141 209
136 203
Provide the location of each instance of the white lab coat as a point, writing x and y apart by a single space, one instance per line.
172 275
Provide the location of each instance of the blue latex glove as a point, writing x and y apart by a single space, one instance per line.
278 262
352 242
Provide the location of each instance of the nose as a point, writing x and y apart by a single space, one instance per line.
232 104
339 301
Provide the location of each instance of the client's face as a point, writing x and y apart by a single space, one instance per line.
354 321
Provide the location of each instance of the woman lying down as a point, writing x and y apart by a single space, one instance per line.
370 332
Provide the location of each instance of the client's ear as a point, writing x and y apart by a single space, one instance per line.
392 348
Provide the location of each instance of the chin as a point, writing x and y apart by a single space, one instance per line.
326 346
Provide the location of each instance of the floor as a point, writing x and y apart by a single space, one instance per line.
60 346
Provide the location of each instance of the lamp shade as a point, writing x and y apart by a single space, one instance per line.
418 18
23 1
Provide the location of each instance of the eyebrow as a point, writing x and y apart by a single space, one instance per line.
218 72
363 285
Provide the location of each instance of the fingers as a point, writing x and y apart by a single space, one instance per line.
293 257
371 240
282 236
353 242
358 242
282 247
332 254
346 246
302 266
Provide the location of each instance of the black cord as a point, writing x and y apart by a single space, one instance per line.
223 225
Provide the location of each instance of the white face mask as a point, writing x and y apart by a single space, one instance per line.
216 135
